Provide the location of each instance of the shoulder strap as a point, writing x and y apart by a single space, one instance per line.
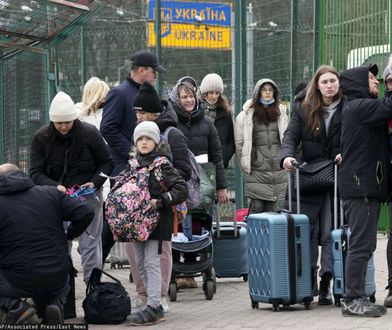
166 133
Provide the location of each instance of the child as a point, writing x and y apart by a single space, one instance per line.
171 190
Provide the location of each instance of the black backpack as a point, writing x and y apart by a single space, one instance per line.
105 302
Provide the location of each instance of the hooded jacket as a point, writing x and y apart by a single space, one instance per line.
200 134
243 128
364 148
33 245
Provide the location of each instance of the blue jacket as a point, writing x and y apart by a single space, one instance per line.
119 121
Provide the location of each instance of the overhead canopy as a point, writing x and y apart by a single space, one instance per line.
32 24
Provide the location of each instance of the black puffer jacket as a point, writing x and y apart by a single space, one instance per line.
201 136
94 158
363 172
313 147
33 246
224 125
176 141
176 191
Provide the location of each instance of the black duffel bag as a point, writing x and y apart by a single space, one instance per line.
315 176
105 302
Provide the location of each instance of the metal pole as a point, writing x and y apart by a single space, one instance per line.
238 5
249 52
158 40
83 56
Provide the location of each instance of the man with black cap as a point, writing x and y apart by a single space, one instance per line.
119 119
363 179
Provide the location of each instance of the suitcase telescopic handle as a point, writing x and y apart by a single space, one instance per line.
234 218
335 196
289 173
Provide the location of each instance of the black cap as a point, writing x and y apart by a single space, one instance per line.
147 99
373 68
145 59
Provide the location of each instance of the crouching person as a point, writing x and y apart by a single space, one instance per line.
34 259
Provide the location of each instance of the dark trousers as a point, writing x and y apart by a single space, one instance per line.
10 294
362 216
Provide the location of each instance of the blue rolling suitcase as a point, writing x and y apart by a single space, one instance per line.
279 258
230 244
340 239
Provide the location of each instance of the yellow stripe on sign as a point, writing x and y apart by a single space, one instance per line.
191 36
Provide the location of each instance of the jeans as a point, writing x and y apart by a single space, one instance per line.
10 294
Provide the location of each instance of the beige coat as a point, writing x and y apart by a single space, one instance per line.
243 130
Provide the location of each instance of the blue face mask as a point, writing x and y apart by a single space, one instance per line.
266 102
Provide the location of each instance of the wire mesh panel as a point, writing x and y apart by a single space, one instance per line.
355 33
24 104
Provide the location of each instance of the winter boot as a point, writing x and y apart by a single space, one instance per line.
388 298
315 291
325 297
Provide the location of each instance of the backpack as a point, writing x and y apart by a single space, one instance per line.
105 302
193 183
128 209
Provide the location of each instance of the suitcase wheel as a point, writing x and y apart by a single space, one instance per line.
173 291
255 305
275 306
208 287
372 298
307 305
245 277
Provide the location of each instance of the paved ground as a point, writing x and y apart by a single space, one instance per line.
231 308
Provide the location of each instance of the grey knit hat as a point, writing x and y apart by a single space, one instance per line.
388 70
149 129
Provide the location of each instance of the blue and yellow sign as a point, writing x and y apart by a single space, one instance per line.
191 25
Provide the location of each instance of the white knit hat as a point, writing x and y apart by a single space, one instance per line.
211 82
147 128
62 108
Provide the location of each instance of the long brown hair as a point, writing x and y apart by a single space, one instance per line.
261 113
313 103
222 102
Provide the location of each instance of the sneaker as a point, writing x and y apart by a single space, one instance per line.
21 313
192 284
138 303
161 314
148 316
388 298
53 314
164 304
361 307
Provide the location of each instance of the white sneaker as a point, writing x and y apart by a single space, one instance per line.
138 303
164 304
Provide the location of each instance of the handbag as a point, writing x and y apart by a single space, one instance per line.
105 302
315 175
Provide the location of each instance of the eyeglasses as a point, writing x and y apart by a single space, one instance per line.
267 90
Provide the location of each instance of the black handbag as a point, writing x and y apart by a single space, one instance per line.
315 175
105 302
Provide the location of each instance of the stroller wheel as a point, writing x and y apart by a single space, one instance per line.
173 291
213 277
209 289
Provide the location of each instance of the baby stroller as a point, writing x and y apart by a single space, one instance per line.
200 245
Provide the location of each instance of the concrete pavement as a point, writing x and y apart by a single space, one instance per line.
231 307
